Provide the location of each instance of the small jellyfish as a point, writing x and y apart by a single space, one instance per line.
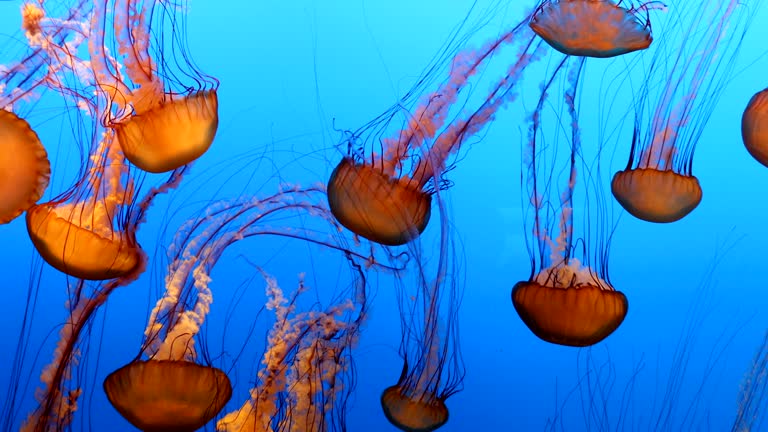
592 28
24 166
167 395
754 127
658 184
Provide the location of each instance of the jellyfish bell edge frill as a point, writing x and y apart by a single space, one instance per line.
168 395
577 316
373 205
24 166
172 134
603 28
413 414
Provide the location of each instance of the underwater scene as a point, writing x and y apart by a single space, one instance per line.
364 215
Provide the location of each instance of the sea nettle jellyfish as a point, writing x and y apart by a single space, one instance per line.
382 189
593 28
568 298
305 361
673 106
166 110
754 127
433 369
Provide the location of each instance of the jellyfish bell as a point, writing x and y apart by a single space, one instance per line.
168 395
591 28
565 308
172 134
81 247
24 166
654 195
754 127
413 414
369 203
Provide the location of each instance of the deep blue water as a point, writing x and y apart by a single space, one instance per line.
293 74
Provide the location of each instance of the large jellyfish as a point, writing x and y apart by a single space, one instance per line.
84 232
166 110
658 184
300 387
568 298
24 166
593 28
382 188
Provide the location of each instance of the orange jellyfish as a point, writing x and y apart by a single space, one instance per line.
24 166
568 298
754 127
84 232
658 184
158 396
592 28
432 365
307 352
385 196
161 122
80 233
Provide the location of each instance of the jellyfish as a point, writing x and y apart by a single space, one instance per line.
385 195
568 298
658 184
168 395
165 110
307 353
754 127
593 28
429 299
24 164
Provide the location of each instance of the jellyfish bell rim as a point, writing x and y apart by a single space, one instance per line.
362 212
682 194
152 154
588 50
547 330
115 380
397 391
